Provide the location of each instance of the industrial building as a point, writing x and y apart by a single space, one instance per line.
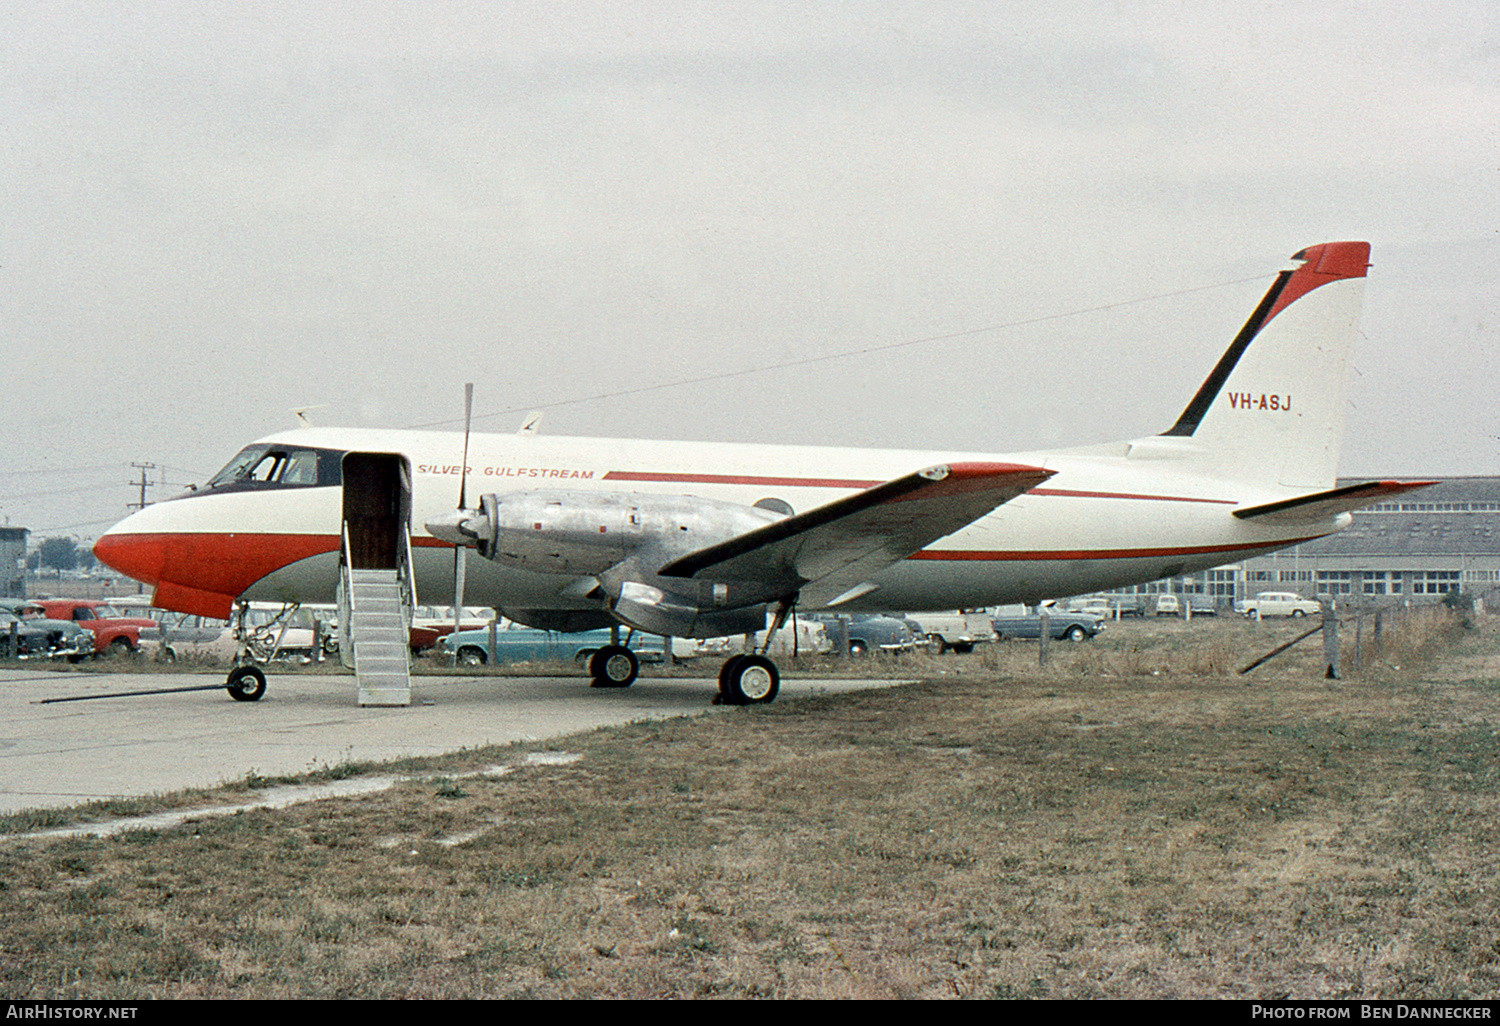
13 562
1415 548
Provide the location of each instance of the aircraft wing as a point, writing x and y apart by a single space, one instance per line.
1322 505
830 551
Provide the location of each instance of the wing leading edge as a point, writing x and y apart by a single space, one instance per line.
827 552
1322 505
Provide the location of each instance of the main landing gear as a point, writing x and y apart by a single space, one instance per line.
743 680
613 666
752 679
748 680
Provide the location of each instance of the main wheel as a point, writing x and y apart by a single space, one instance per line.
246 684
614 666
724 672
749 680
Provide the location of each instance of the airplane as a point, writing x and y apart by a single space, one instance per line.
706 539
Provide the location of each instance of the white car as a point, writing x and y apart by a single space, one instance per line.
959 630
272 631
1168 605
1277 603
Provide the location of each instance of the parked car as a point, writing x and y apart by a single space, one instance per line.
183 635
39 638
112 631
1202 605
810 638
273 633
869 632
959 631
1168 605
517 643
428 623
1062 624
1277 603
1109 607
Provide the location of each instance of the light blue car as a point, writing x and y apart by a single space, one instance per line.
515 643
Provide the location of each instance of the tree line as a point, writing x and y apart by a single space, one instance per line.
60 554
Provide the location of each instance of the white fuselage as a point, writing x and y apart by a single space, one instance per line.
1119 514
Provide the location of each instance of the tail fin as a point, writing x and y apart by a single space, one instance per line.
1272 411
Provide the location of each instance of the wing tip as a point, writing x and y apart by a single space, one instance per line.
986 468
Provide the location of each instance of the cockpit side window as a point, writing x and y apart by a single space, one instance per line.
279 466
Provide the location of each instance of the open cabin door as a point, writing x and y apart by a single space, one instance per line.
377 593
377 509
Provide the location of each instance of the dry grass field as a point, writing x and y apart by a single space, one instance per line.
1133 820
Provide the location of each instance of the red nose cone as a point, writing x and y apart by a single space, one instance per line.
138 556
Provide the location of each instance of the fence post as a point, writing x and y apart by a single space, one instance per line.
1041 658
1330 641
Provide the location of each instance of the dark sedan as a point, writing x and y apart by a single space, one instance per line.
869 632
1062 624
43 639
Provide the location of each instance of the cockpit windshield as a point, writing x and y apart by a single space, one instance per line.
280 466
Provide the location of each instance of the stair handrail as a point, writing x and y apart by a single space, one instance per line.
345 599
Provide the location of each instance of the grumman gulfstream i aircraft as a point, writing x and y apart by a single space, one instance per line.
705 540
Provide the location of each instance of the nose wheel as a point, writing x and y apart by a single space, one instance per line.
246 684
748 680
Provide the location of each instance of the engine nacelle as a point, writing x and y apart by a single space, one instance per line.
685 607
567 532
650 609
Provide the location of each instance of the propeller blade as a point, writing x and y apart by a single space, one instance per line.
460 552
463 474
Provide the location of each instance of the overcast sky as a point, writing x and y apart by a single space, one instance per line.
1059 213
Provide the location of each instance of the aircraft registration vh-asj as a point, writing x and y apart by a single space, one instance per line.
704 540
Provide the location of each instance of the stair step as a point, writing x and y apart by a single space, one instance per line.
379 634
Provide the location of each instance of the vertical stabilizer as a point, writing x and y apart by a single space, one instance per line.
1272 411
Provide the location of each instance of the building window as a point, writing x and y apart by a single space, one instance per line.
1334 582
1434 582
1221 583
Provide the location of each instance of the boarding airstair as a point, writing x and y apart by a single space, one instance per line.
377 636
376 588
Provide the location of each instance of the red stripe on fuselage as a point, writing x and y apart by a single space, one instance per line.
1067 493
1024 555
835 482
738 479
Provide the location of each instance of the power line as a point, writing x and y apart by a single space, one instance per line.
142 467
846 353
65 470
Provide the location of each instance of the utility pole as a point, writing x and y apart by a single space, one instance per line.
143 482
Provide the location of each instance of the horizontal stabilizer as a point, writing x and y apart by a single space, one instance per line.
1322 505
842 543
